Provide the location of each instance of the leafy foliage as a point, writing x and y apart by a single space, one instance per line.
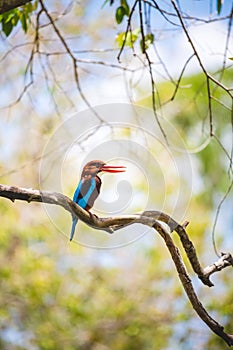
128 38
146 41
219 6
10 19
122 11
131 37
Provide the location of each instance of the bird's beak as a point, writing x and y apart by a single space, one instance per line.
113 168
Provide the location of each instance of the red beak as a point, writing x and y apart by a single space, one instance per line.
113 168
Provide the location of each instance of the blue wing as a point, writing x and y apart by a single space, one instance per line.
82 196
84 191
78 191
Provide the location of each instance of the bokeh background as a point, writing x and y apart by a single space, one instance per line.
122 291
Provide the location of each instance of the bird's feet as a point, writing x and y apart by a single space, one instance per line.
109 229
92 216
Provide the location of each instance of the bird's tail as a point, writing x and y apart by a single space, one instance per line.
74 223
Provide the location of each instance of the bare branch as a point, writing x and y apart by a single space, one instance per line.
180 77
151 219
217 215
144 51
72 57
224 261
187 244
208 76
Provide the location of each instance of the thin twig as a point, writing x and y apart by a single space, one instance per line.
180 77
216 218
208 76
73 59
144 51
187 17
127 30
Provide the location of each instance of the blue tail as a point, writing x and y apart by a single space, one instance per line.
74 223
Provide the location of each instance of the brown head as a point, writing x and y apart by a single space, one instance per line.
92 168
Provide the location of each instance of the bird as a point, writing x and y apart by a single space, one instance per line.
88 188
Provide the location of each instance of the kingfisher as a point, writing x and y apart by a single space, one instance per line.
89 186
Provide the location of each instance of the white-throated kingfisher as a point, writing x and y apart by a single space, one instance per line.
89 186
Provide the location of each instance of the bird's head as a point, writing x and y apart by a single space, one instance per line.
94 167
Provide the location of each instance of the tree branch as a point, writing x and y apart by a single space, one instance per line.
7 5
152 219
72 57
188 287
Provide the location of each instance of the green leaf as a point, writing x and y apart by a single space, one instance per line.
15 20
28 8
126 7
23 20
35 5
120 39
7 28
10 19
148 40
120 13
129 38
219 6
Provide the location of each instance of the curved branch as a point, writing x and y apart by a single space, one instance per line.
152 219
188 287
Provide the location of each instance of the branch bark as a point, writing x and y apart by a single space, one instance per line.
152 219
7 5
